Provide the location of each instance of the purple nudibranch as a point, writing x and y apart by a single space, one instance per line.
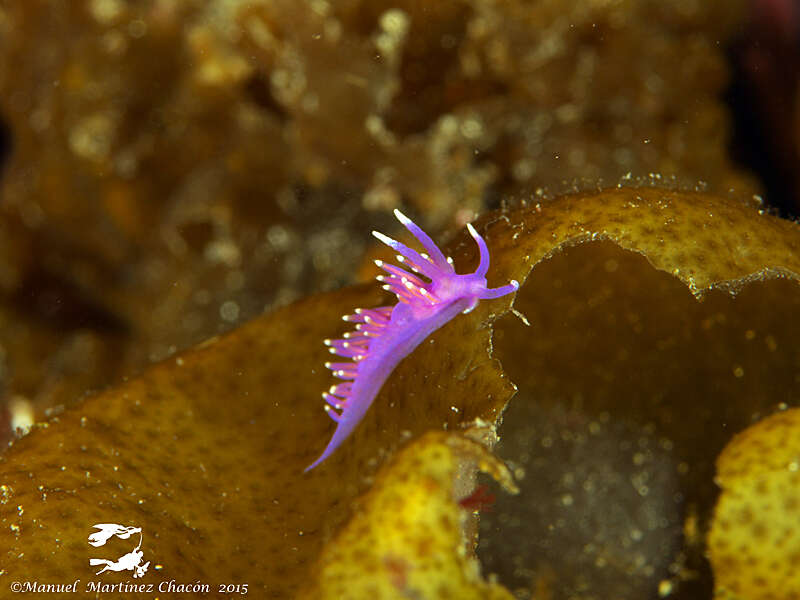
385 335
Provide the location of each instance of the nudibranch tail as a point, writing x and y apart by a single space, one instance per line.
383 336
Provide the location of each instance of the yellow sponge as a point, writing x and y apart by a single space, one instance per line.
754 542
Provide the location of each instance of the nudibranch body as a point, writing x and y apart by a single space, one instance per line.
385 335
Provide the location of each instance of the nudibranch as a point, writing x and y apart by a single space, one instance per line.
429 294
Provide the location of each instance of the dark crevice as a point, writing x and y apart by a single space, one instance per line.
5 144
62 305
765 70
259 90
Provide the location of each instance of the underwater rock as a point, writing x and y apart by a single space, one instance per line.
184 164
754 542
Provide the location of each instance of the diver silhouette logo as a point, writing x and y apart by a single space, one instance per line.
132 561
